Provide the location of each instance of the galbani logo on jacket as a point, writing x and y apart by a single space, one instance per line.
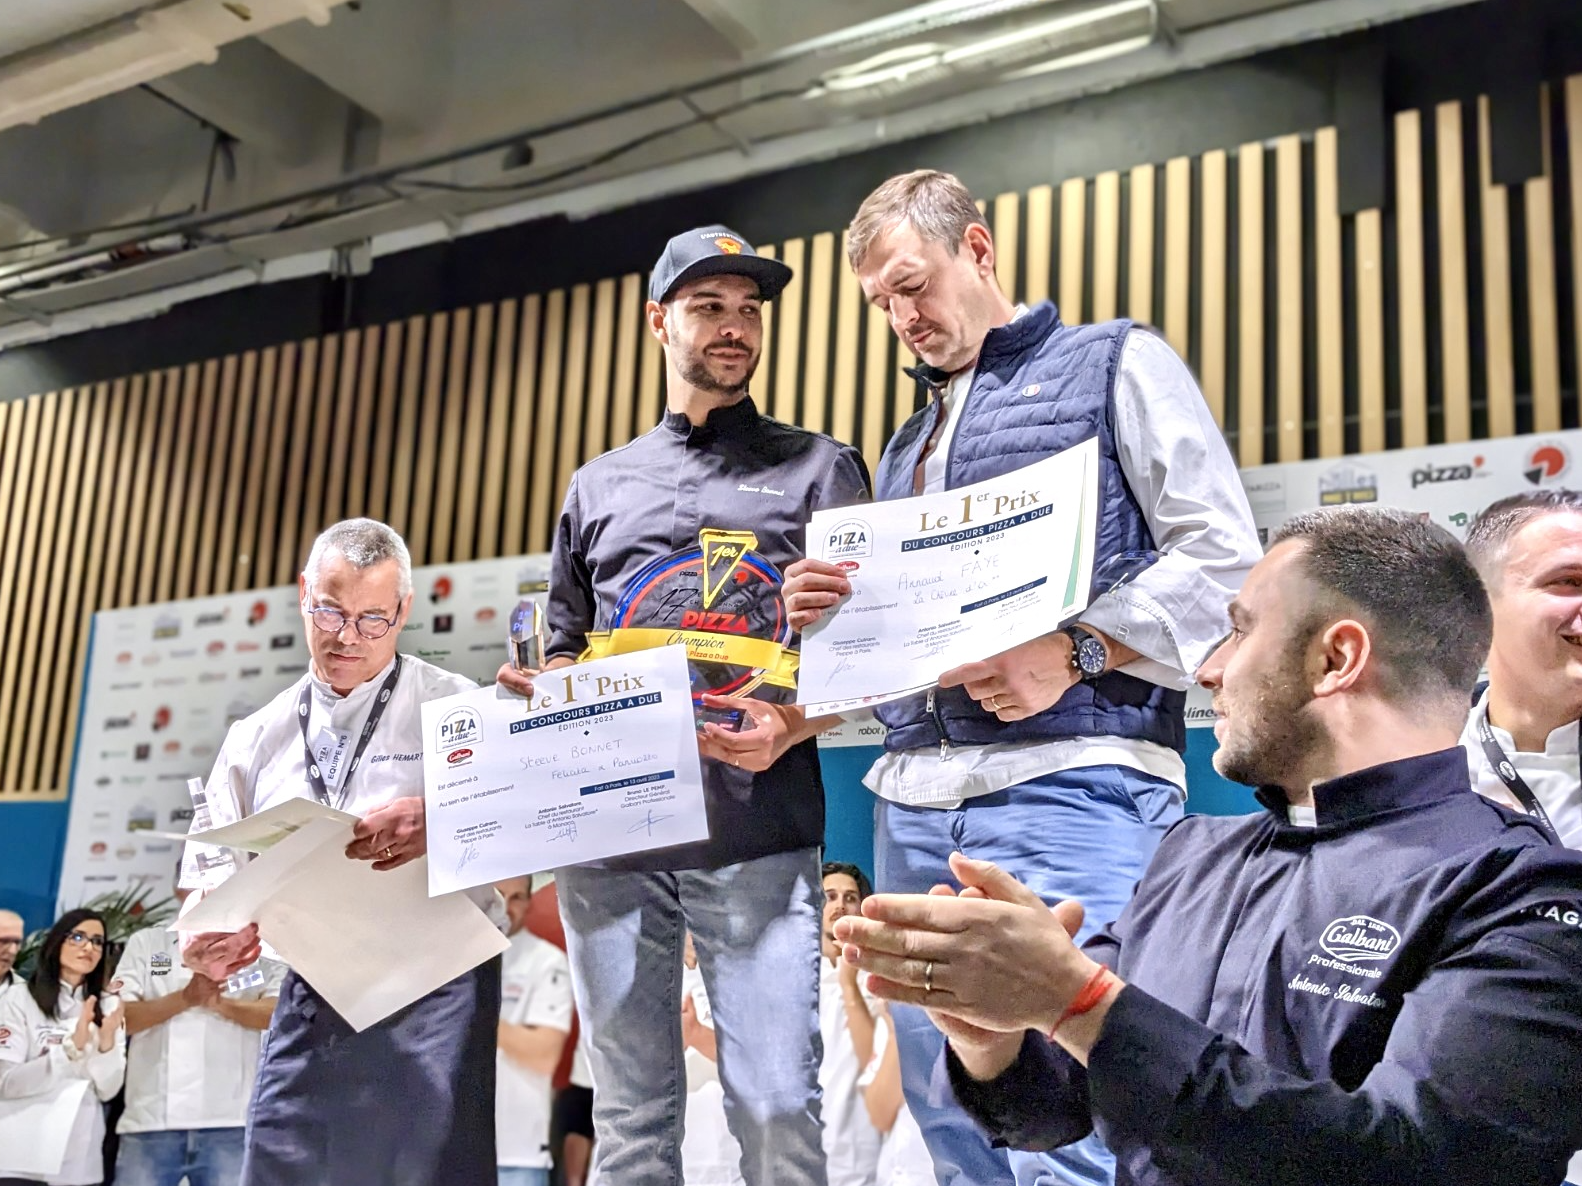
1358 938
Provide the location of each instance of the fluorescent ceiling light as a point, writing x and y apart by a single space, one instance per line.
1085 57
1050 28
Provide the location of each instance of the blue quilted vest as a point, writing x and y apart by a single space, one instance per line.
1041 386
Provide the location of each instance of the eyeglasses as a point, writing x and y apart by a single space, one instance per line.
4 943
333 621
78 938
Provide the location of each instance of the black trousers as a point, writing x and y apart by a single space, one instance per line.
407 1102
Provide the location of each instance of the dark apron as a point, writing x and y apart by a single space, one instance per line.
407 1102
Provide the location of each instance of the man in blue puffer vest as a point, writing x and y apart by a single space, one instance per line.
1059 760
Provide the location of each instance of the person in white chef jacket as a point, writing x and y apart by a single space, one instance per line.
192 1056
904 1158
54 1042
710 1155
535 1021
333 1106
851 1142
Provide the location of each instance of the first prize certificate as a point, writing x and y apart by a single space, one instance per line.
944 579
603 761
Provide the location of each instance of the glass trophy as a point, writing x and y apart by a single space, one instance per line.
527 636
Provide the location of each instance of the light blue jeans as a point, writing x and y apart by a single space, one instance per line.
1087 834
203 1156
756 929
523 1175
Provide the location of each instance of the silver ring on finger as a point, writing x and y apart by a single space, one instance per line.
928 976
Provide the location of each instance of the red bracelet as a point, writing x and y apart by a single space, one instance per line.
1092 993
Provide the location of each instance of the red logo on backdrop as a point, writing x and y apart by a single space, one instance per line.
172 747
441 591
486 614
98 848
457 756
1546 463
246 645
258 613
216 647
161 718
124 657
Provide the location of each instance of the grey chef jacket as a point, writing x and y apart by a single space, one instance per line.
633 509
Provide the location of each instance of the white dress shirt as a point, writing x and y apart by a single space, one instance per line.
265 763
710 1155
1184 479
34 1062
535 989
196 1069
851 1142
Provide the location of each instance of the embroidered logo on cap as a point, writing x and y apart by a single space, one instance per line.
728 246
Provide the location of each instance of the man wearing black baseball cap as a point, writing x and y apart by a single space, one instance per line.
685 531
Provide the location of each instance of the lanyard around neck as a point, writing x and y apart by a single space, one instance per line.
1514 782
315 776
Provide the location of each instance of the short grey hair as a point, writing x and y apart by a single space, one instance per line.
939 207
13 914
363 543
1489 537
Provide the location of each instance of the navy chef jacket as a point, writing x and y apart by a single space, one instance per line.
1393 996
626 552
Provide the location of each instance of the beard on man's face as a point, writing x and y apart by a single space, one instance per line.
1270 728
694 368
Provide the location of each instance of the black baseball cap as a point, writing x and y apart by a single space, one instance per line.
714 251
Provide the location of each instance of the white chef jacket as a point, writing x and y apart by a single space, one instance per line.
535 990
1179 469
195 1070
710 1155
33 1061
1553 776
264 761
904 1159
851 1142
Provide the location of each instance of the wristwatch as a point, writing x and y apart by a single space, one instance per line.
1089 658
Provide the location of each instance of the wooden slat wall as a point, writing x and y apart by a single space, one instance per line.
1313 333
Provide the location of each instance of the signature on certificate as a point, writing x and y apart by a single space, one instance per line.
567 832
647 823
840 668
469 854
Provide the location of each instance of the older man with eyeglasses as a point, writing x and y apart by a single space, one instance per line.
408 1101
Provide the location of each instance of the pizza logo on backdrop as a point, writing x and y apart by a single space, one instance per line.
214 619
217 647
167 626
441 590
1546 463
124 658
246 646
1348 483
721 599
486 614
161 718
1431 475
258 612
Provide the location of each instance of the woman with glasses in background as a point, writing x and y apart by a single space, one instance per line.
57 1043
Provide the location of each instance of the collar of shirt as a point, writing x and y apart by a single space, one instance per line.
1356 797
1561 742
732 420
358 697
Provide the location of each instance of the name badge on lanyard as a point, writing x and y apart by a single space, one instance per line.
330 751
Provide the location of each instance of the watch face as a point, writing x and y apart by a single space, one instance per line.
1091 656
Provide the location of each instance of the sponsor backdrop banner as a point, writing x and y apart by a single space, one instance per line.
164 682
